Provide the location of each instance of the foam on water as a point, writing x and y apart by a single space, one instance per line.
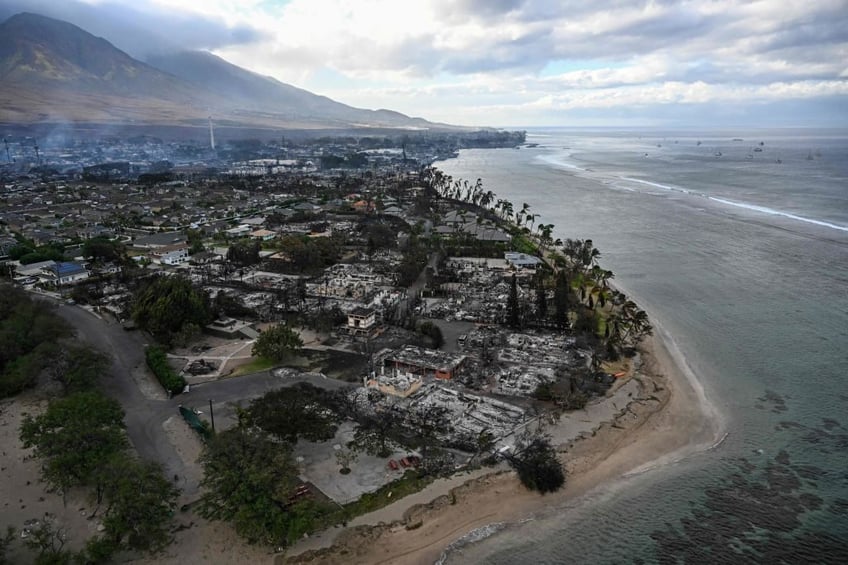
773 212
471 537
744 205
557 161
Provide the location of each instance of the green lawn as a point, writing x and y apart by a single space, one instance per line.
409 483
255 366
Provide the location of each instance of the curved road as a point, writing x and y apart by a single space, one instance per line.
144 403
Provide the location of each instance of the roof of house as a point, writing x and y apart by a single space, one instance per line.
67 268
170 248
426 358
521 259
362 311
34 268
159 239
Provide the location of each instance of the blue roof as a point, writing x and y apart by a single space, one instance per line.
64 269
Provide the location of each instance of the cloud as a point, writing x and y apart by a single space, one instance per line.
141 28
460 60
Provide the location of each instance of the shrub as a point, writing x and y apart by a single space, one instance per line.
158 363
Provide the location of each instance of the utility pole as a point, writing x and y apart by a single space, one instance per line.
212 415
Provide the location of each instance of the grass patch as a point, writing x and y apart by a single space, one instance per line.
410 483
257 365
523 244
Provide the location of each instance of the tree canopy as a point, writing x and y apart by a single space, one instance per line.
103 249
244 253
82 442
249 480
75 436
170 307
77 368
29 330
277 343
299 411
141 503
538 466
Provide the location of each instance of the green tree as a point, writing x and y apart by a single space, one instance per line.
537 465
195 241
374 433
140 504
513 314
169 305
103 250
345 457
49 541
244 253
299 411
249 480
277 343
425 425
77 368
541 297
562 300
75 436
29 330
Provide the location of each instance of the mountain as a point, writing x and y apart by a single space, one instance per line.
261 93
52 71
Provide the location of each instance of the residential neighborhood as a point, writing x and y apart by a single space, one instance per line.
430 323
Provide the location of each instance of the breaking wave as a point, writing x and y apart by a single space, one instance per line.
773 212
744 205
471 537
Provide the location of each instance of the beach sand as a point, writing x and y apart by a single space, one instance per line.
664 421
23 496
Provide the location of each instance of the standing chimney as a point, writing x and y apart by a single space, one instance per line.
211 134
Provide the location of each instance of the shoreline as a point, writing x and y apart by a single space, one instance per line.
669 419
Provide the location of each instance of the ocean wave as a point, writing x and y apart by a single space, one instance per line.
773 212
474 536
662 186
551 160
745 205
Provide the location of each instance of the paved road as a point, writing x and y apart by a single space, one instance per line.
417 286
146 407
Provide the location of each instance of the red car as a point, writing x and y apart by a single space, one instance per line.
393 465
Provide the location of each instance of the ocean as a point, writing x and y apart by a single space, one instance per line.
736 243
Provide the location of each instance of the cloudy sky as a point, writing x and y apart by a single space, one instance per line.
516 62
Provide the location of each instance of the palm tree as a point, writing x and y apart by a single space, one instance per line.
532 219
522 214
507 210
487 198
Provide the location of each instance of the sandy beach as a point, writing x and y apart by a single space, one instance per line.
666 419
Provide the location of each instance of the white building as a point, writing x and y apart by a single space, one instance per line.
171 254
68 273
361 321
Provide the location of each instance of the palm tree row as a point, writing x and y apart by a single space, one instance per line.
573 268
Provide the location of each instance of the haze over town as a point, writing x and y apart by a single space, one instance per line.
514 63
